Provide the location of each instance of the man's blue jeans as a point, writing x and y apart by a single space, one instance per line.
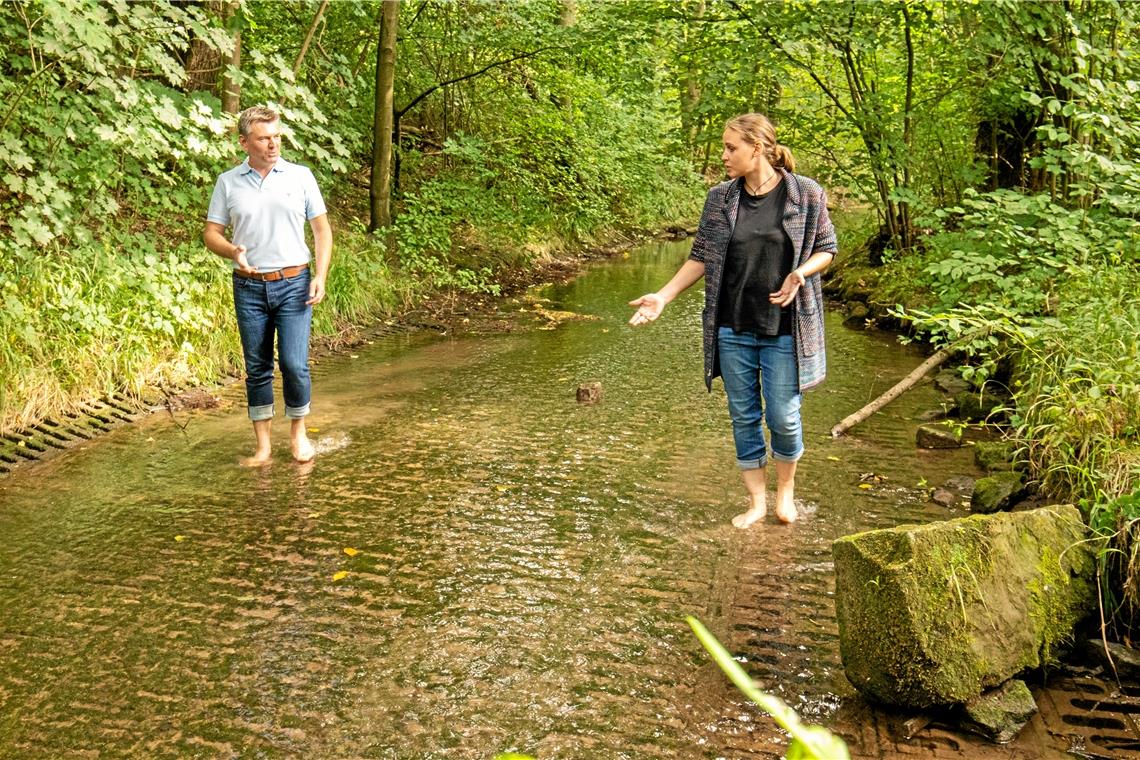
265 308
756 367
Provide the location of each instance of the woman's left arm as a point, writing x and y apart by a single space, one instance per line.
795 280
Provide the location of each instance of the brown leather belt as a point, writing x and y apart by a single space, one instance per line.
280 274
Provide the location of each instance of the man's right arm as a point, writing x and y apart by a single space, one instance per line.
215 239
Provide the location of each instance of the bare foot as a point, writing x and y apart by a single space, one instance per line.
303 451
755 514
258 459
786 511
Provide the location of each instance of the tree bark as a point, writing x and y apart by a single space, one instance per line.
231 88
380 192
309 37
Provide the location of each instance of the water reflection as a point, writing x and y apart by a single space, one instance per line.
520 567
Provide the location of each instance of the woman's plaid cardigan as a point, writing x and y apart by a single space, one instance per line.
808 225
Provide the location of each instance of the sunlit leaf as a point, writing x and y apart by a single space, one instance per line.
339 575
350 551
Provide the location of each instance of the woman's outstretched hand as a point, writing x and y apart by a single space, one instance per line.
649 308
787 292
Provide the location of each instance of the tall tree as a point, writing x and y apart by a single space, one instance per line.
383 115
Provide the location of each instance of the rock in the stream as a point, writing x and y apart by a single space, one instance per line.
1000 713
589 393
993 456
937 437
935 614
1125 660
996 492
944 498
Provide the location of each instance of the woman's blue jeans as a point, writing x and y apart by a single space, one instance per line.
263 309
760 375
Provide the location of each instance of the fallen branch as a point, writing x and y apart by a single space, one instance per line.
901 387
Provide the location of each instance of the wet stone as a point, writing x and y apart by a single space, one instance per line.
993 456
979 407
1000 713
1122 660
937 437
996 492
944 498
589 393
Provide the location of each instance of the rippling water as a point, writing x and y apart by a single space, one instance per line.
519 565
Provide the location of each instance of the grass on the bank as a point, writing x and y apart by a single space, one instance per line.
121 316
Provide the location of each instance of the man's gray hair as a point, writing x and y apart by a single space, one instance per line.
255 115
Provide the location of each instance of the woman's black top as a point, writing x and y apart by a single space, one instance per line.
758 260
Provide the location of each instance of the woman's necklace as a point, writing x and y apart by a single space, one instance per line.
760 188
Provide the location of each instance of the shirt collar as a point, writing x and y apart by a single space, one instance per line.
280 166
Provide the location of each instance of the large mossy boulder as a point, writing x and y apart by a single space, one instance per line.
936 614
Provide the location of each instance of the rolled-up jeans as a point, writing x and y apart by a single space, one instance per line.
268 308
762 383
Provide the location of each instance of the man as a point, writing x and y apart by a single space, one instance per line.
265 201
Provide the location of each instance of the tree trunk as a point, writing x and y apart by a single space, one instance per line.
380 192
309 37
204 63
231 88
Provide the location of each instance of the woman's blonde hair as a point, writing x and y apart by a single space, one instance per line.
757 130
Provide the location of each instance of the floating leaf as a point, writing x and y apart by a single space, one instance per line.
866 486
350 551
313 515
502 488
354 356
180 538
314 430
834 459
340 575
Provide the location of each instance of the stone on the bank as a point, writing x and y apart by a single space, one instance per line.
589 393
937 437
935 614
857 311
996 492
950 381
978 407
1000 713
1125 661
993 456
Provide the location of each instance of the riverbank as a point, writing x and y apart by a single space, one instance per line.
106 371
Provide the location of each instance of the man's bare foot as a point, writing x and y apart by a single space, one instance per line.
258 459
756 513
303 451
786 510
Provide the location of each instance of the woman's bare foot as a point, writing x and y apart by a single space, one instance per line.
258 459
303 450
786 508
755 513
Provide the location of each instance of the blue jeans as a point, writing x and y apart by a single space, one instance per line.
755 366
264 308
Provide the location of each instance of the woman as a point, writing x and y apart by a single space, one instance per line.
764 237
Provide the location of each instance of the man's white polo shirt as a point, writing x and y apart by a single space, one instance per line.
268 215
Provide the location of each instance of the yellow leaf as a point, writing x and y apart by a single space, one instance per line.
21 444
314 430
353 356
865 486
834 459
340 575
501 488
605 329
312 515
180 538
350 551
